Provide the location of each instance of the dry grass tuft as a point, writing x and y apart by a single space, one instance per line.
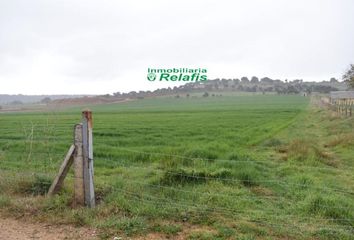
342 139
302 150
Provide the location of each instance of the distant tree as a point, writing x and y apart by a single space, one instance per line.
245 80
240 88
132 94
266 80
253 89
236 81
323 88
333 80
292 89
46 100
247 89
348 76
254 79
206 94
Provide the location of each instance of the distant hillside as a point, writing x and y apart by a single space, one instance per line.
20 99
263 85
244 84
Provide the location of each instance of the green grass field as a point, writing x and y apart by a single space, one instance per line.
230 167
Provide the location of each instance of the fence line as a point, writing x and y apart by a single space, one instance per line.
275 181
52 175
217 209
240 181
228 212
51 139
33 153
223 195
257 163
29 173
228 160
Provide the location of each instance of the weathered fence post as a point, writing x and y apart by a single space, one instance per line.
81 154
63 171
88 158
78 167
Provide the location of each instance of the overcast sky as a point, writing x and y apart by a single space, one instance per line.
96 47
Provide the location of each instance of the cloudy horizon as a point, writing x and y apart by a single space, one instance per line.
99 47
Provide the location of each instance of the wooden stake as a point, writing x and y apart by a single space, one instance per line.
88 158
64 169
79 198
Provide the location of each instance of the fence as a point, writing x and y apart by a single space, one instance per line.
130 186
342 106
81 154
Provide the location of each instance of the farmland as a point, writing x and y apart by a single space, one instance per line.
226 167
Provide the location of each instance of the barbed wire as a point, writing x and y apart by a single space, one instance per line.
33 152
229 212
275 181
221 194
31 174
226 160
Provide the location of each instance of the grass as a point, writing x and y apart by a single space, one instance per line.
230 167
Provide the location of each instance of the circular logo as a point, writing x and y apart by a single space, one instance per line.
151 76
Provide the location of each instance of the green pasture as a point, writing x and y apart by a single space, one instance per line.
241 167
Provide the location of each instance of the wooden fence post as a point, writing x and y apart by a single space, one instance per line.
78 167
63 171
81 154
88 158
346 107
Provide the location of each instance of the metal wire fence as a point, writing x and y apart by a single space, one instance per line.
48 162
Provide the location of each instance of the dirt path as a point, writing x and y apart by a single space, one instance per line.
11 229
